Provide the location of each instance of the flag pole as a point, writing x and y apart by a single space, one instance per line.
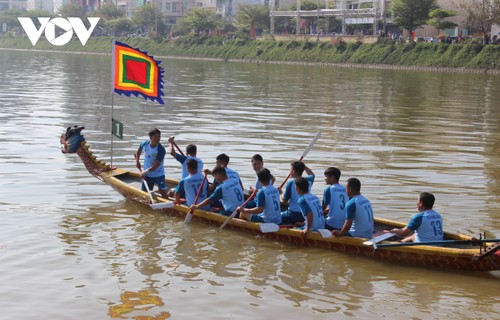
112 96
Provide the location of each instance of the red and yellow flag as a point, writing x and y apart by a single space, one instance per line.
137 73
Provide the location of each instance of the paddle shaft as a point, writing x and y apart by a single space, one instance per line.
177 147
406 244
306 151
190 213
145 183
236 211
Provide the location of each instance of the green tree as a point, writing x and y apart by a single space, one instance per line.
251 17
148 16
307 5
72 10
481 15
9 17
120 26
108 11
411 14
198 20
437 17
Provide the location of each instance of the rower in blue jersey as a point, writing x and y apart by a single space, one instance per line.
359 213
191 151
190 185
257 165
293 215
334 200
154 155
228 191
427 225
268 202
310 206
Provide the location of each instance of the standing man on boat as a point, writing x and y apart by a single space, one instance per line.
268 202
229 192
427 225
359 213
293 215
154 154
310 206
334 200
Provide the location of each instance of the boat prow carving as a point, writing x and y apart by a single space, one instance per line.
73 141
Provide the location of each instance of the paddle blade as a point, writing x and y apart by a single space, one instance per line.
325 233
382 237
161 205
188 217
268 227
311 144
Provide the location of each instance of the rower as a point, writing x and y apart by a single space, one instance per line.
427 225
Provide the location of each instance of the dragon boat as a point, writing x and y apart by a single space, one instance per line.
456 251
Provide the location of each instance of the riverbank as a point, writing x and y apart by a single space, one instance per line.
381 55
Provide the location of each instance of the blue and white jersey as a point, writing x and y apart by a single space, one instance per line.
230 194
427 225
191 185
150 156
335 197
310 204
183 159
291 194
359 209
269 198
231 174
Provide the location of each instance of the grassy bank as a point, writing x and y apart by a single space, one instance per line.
468 56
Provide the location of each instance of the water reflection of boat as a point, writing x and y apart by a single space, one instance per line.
463 256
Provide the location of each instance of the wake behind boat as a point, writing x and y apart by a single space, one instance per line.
459 252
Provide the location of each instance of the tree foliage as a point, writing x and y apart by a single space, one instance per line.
307 5
198 20
148 16
411 14
251 17
121 25
9 17
481 15
72 10
108 11
437 19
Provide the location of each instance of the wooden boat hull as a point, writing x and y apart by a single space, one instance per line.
127 183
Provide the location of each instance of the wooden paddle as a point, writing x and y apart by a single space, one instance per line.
189 215
177 147
236 211
382 237
426 243
153 205
309 147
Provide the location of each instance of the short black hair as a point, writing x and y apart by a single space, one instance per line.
154 131
191 149
192 164
302 184
264 175
298 167
224 158
354 184
219 170
257 157
333 171
427 199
